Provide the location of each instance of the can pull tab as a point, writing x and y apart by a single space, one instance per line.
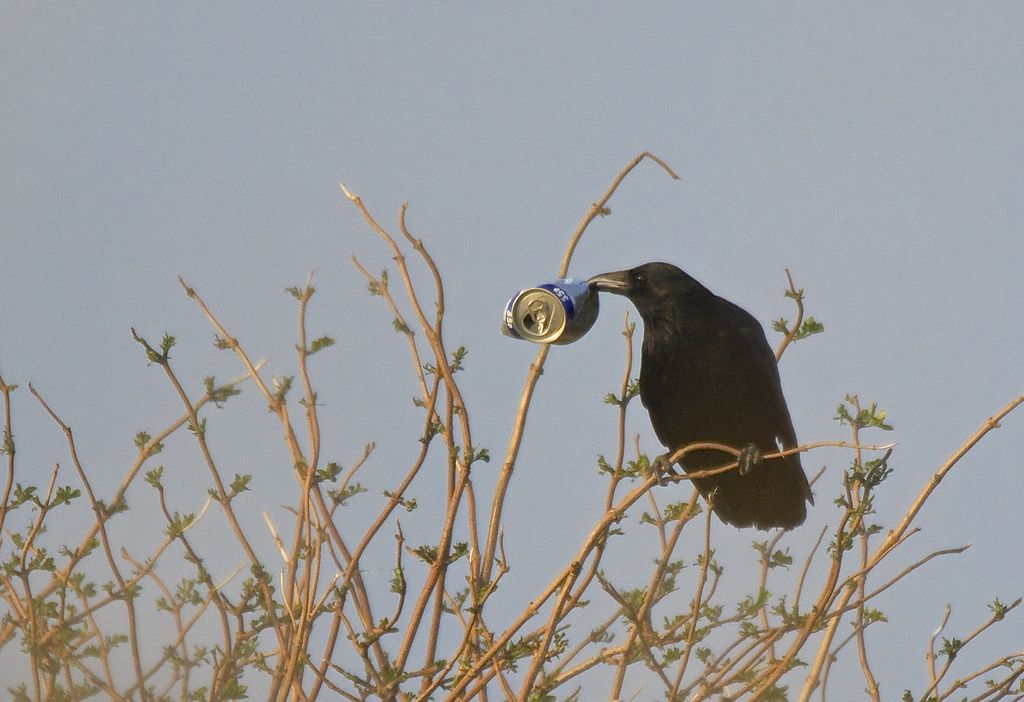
551 313
537 319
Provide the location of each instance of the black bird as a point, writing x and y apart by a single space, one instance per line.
707 374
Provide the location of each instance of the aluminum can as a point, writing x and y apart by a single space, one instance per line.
559 312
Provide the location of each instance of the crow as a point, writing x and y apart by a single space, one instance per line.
707 374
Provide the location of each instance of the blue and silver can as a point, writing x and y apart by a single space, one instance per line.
559 312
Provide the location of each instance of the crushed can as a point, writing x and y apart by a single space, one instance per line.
559 312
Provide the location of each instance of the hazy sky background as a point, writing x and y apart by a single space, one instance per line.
874 149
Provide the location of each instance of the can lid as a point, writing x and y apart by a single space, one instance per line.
538 315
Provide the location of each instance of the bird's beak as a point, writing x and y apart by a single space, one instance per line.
617 282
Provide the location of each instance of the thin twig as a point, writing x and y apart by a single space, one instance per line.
790 334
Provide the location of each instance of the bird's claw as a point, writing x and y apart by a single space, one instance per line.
749 459
662 467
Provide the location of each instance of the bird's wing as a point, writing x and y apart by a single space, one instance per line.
762 375
768 387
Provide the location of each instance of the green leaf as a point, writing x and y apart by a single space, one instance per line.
198 428
320 344
25 494
632 388
329 473
7 448
340 497
397 581
426 553
166 344
951 647
179 523
999 609
65 494
750 606
240 484
674 511
408 502
810 327
379 286
472 455
219 395
867 417
457 357
872 615
153 477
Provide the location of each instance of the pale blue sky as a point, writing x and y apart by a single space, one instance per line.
874 149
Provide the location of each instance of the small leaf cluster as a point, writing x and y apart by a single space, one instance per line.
473 454
379 287
632 390
409 503
341 496
808 327
163 356
863 417
778 558
219 394
144 442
